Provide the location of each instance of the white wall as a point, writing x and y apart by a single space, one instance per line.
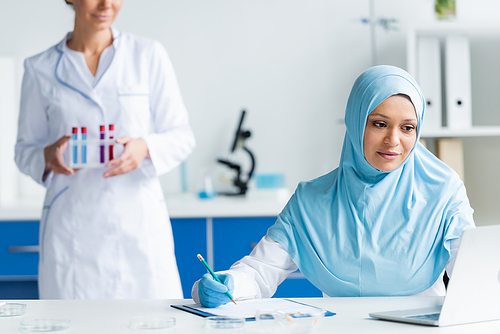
290 63
278 59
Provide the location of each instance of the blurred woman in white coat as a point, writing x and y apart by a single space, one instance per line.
105 232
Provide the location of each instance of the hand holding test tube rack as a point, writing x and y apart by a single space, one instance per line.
91 152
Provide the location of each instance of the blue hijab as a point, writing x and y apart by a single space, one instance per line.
358 231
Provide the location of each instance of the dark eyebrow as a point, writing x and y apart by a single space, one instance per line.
384 116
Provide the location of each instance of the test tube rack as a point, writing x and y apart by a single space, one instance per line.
93 152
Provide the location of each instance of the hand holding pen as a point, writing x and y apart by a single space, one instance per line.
215 290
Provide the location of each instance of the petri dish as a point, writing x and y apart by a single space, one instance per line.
12 309
224 322
151 322
298 323
44 325
269 321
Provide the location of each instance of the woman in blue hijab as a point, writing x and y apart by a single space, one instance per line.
386 222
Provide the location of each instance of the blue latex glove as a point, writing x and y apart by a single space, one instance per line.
212 293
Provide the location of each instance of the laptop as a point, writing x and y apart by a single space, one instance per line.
473 293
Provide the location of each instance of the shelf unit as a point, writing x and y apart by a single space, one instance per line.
450 139
475 131
442 30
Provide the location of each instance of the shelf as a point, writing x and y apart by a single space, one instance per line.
443 29
475 131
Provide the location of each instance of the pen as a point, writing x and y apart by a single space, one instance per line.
214 276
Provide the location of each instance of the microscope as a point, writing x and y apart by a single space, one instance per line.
241 182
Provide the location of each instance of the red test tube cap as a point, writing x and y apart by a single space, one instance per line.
111 127
75 130
102 128
84 129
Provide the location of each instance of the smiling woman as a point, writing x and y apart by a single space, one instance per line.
386 222
105 231
390 133
92 34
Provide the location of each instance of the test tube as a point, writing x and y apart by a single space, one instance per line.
75 146
84 144
102 130
111 136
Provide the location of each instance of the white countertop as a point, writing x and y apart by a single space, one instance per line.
254 204
257 203
22 210
112 316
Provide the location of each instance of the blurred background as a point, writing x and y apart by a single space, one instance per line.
289 63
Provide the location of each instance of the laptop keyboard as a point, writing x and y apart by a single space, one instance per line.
431 316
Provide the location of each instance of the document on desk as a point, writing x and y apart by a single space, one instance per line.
248 308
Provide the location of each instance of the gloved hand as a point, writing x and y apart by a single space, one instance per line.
212 293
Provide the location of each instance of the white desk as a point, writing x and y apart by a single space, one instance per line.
112 316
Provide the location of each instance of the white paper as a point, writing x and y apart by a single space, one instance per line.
248 308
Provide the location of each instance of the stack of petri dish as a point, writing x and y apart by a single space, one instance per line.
269 321
44 325
151 322
12 309
224 322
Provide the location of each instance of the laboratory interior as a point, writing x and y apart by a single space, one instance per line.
265 84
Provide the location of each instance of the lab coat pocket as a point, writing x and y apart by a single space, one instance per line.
134 109
44 221
156 215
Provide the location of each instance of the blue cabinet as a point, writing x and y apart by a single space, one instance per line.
19 260
231 239
235 237
297 287
190 239
19 256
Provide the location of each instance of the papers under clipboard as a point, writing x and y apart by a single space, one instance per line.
248 308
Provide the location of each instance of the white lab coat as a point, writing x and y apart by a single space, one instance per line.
259 274
105 238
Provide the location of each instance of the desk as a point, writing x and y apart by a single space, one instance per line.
112 316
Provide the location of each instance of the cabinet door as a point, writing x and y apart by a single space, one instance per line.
235 237
190 239
297 287
19 248
19 260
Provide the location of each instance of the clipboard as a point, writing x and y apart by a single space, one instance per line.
266 303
